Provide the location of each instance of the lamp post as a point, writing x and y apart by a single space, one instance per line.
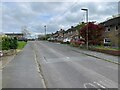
87 26
45 31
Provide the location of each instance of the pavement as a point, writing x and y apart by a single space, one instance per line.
102 56
52 65
22 71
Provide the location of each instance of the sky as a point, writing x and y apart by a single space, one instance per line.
55 15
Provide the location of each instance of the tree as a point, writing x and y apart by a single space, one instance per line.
79 26
94 33
25 31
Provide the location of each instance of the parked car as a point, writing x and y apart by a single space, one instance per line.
51 39
1 53
67 40
77 41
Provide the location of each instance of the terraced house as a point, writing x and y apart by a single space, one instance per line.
112 32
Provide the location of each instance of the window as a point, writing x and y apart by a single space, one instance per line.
116 28
107 42
107 29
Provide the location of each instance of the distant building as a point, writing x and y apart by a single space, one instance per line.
18 35
58 35
112 32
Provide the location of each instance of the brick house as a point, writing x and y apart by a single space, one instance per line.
112 32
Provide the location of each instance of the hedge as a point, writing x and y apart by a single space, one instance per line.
9 43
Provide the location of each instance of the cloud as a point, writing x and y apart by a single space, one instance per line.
54 15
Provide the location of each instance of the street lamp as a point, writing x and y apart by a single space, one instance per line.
45 31
87 26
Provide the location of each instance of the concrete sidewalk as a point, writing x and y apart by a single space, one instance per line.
5 60
22 71
99 55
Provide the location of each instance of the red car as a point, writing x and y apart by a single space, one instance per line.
77 41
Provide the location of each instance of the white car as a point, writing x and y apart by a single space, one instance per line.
1 53
67 40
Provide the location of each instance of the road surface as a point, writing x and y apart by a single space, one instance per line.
53 65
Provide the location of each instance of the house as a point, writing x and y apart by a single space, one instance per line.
58 35
112 32
71 32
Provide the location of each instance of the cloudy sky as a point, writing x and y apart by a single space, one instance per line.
55 15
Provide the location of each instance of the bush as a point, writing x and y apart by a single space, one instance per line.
14 43
5 43
9 43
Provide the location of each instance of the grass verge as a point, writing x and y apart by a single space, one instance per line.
21 44
106 48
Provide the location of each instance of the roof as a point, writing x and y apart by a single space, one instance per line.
113 21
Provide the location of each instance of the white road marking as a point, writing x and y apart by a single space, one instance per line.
85 85
109 84
99 85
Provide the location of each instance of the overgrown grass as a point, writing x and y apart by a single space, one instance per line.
21 44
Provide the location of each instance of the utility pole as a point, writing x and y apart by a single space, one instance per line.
87 26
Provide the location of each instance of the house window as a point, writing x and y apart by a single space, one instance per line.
116 28
107 42
107 29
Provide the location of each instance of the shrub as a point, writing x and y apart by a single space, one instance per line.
5 43
9 43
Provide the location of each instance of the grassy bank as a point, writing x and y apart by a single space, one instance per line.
21 44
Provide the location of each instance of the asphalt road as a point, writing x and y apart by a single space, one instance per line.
63 67
60 67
